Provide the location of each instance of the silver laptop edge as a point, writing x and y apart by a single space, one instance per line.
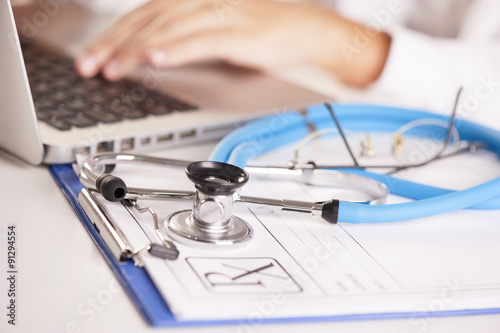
19 132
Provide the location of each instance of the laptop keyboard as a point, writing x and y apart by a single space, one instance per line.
64 100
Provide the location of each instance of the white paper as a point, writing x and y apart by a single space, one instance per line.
301 266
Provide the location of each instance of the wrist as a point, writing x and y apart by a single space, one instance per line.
355 54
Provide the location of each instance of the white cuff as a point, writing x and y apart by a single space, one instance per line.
427 72
418 72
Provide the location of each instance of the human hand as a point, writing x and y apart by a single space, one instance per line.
261 34
20 2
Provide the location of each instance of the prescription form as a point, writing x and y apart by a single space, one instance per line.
297 265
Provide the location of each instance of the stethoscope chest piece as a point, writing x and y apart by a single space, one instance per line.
211 221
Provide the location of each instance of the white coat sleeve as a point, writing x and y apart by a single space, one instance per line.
427 71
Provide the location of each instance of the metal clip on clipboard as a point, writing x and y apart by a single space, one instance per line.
114 237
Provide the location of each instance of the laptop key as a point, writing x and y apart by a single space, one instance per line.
62 112
154 106
63 62
111 91
78 103
59 96
92 83
79 89
42 115
59 124
81 121
63 99
102 116
44 103
42 88
128 112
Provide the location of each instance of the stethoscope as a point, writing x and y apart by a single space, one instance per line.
217 188
219 180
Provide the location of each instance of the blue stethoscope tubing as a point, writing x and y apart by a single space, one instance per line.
266 134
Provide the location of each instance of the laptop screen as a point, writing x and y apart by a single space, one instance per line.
19 133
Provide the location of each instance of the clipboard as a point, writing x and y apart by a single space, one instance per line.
149 302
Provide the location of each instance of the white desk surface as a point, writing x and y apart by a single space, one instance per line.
65 285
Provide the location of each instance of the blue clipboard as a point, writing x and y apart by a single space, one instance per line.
142 291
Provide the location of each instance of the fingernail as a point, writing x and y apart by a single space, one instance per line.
87 66
158 57
111 70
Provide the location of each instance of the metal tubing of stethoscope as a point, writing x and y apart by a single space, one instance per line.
91 171
310 175
313 208
95 176
136 193
307 174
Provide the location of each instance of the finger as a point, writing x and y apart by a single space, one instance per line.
242 48
126 31
20 2
133 22
160 32
90 62
127 56
181 19
220 44
191 23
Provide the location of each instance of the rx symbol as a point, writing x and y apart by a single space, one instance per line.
222 279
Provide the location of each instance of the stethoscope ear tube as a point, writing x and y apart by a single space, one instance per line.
274 131
418 191
244 143
355 213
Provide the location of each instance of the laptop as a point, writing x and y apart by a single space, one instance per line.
50 115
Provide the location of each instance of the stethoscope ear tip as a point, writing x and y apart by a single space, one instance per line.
111 187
